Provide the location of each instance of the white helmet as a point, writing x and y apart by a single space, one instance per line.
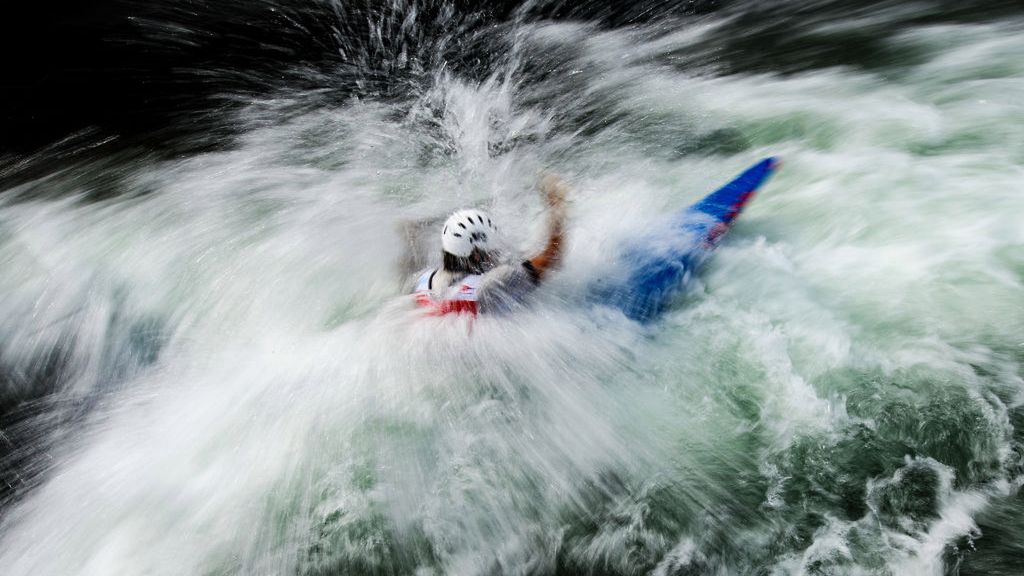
466 230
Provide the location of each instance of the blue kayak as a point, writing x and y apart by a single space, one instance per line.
660 265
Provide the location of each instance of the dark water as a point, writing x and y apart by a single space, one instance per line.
152 72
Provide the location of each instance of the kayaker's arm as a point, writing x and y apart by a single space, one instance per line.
506 286
407 259
412 258
555 191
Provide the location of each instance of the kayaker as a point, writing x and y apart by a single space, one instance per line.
471 278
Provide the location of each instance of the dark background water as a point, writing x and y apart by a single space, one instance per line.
154 72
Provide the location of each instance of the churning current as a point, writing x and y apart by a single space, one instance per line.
211 366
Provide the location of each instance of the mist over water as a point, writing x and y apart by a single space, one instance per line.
209 363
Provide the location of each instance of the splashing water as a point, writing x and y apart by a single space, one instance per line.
216 371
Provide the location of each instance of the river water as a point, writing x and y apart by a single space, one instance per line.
208 365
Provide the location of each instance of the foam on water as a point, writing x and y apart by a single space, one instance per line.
832 396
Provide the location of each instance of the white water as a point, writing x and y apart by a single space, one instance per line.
299 417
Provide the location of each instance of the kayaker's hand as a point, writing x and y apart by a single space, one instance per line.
555 192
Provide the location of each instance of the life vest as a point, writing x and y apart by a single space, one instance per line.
459 298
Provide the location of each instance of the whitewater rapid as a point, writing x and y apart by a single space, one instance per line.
242 386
